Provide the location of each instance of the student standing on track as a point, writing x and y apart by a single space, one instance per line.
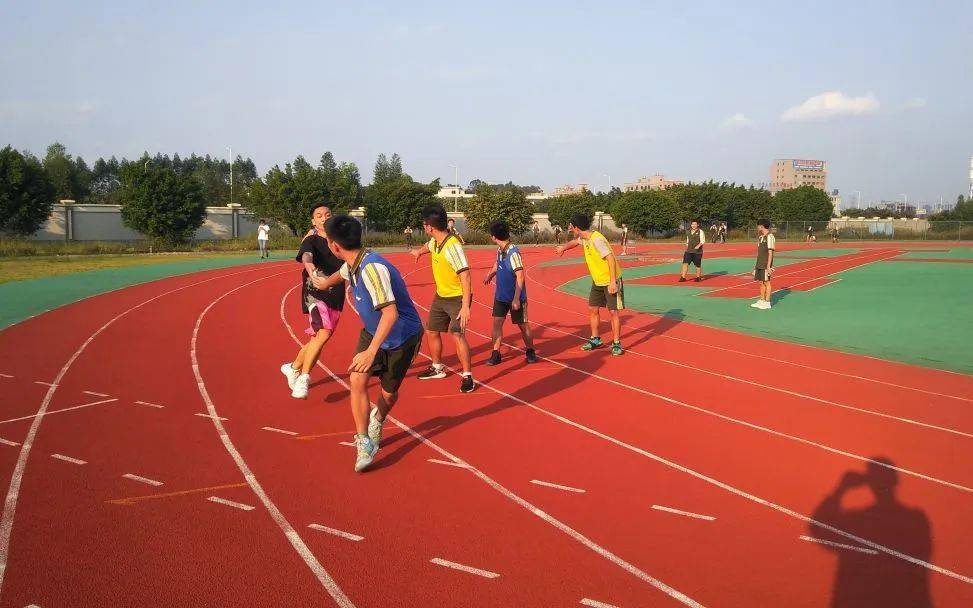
511 292
834 234
694 252
624 238
557 234
764 266
263 236
450 308
451 229
392 335
408 236
323 306
607 289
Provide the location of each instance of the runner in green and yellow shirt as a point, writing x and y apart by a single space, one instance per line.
607 289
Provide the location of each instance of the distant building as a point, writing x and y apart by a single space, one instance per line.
656 182
536 196
569 189
454 192
835 201
787 173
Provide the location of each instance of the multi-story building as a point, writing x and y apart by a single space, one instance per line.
569 189
787 173
656 182
835 201
451 191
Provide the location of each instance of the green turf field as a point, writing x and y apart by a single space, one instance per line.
916 312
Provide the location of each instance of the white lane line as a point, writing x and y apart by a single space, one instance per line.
448 463
94 394
44 383
468 569
340 533
292 536
8 442
556 486
17 477
273 430
686 513
506 493
666 336
693 473
141 479
146 403
739 421
595 604
347 443
5 376
213 416
66 409
231 503
839 545
69 459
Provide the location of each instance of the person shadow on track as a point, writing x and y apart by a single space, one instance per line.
866 579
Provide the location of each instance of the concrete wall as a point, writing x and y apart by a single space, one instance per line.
104 223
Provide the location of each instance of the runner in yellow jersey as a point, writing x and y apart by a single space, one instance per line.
607 289
450 308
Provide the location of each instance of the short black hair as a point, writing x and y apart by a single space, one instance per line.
315 205
581 221
499 230
434 214
344 230
764 223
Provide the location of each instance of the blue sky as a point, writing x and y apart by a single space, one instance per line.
534 92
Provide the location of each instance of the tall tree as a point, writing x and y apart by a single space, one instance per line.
560 209
394 204
804 204
26 193
509 204
70 177
387 170
655 210
160 203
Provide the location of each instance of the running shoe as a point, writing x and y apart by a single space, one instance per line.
697 280
290 373
494 358
433 373
301 386
617 348
366 453
764 305
375 428
682 279
467 386
756 304
592 344
532 356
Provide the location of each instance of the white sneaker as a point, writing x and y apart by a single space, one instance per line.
290 373
757 304
764 305
301 386
366 453
375 428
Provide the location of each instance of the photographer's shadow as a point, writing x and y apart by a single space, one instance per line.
865 578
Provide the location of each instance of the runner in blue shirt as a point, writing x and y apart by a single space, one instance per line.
511 291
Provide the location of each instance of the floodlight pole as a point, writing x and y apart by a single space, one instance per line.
230 150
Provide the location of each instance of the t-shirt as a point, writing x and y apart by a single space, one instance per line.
509 262
326 264
448 261
376 284
765 244
596 250
695 239
263 232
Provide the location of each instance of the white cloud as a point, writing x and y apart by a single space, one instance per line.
830 105
737 121
914 104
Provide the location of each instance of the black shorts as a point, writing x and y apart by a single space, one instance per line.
517 317
599 297
761 274
443 313
693 257
391 366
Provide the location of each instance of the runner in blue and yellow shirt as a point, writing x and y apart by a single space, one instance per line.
510 296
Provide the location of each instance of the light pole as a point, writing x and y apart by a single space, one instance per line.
905 201
859 193
609 182
456 197
230 150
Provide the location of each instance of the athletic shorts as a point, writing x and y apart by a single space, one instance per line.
391 366
761 274
693 257
517 317
600 298
321 316
443 313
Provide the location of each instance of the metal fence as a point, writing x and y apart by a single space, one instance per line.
871 230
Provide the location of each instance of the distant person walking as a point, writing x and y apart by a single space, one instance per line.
624 239
263 238
723 232
834 234
451 229
557 234
694 252
408 236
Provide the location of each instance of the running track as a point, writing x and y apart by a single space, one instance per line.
186 475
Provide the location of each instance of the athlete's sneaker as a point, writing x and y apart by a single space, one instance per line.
301 386
617 348
592 344
494 358
290 373
697 280
764 305
532 356
682 279
467 386
757 304
375 428
433 373
366 453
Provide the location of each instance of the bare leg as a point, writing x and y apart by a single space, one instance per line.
313 348
594 319
359 401
435 346
699 271
462 351
299 361
616 326
682 272
497 332
385 403
527 334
